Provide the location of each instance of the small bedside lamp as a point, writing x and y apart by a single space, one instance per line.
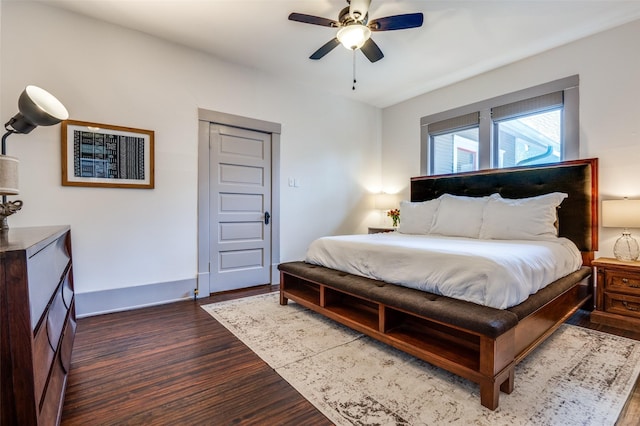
623 214
385 202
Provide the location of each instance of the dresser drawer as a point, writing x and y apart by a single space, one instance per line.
626 282
622 304
67 290
66 346
45 270
53 398
43 356
47 338
55 318
52 402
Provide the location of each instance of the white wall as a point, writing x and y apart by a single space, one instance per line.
609 67
125 238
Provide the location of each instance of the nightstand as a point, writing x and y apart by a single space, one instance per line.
617 293
379 229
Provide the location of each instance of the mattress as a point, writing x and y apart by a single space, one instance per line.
495 273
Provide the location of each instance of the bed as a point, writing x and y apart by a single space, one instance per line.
480 343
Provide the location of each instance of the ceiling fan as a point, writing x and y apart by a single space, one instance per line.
354 28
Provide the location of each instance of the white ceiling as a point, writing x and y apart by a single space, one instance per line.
459 39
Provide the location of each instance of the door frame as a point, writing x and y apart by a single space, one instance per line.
205 118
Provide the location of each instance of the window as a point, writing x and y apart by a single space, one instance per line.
538 125
456 151
532 139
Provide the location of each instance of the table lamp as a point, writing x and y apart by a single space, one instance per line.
623 214
37 107
385 201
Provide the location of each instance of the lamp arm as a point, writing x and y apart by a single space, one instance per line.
4 141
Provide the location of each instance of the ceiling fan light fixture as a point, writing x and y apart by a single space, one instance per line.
358 9
353 36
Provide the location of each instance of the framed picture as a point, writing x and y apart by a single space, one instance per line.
103 155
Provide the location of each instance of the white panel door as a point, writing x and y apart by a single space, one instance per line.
240 206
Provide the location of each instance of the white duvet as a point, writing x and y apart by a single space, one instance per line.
496 273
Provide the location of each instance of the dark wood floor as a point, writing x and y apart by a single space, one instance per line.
174 364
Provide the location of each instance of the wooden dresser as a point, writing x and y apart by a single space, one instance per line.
617 293
37 323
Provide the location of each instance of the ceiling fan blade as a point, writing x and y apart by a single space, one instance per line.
372 51
315 20
328 47
397 22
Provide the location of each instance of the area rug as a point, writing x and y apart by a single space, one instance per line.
577 377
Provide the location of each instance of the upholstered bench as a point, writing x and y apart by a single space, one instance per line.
480 343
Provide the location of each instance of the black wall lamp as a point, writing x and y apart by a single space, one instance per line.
36 107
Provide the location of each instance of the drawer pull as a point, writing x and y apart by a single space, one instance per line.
630 308
626 281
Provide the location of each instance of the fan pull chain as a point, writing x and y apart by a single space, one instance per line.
354 70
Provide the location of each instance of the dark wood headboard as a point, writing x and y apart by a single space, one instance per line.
577 216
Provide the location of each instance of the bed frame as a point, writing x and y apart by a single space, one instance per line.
478 343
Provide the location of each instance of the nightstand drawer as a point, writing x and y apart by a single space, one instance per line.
621 304
380 229
627 282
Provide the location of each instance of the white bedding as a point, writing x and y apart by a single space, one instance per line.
494 273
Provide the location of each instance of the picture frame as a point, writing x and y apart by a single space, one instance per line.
104 155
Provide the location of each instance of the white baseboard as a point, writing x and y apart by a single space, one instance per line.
203 284
123 299
275 274
127 298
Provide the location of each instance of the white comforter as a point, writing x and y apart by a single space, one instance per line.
494 273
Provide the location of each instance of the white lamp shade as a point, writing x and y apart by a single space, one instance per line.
621 213
353 36
384 201
8 175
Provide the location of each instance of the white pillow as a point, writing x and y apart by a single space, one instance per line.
521 219
416 218
459 216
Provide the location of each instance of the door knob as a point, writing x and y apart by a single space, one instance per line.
266 218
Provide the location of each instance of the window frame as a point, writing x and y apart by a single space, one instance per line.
487 149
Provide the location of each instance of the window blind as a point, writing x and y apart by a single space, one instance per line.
455 123
528 106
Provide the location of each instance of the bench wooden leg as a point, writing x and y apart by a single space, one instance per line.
490 391
283 300
489 395
507 385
